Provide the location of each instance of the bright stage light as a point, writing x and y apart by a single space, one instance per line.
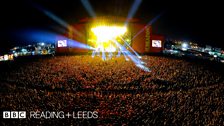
106 33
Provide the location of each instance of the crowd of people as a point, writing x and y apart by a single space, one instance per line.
175 92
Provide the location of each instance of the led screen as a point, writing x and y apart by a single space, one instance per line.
156 43
62 43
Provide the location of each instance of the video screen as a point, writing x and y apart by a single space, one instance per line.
62 43
157 43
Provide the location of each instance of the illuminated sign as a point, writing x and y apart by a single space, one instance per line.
157 43
147 38
62 43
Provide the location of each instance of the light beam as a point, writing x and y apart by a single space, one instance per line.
133 10
56 19
88 7
149 23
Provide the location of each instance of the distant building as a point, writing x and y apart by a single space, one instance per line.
36 49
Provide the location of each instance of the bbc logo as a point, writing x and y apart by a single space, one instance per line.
14 114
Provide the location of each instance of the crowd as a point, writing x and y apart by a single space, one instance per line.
175 92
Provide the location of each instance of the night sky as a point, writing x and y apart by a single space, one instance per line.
188 20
